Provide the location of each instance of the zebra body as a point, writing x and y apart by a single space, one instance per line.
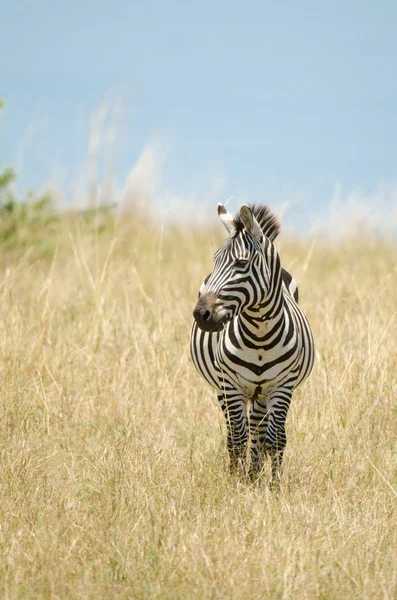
253 369
250 339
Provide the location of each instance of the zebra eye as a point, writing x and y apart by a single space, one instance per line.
241 263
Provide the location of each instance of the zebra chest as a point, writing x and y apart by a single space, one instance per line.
254 371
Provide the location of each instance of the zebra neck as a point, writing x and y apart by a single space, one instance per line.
261 320
269 311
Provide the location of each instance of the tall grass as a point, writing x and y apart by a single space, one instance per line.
114 480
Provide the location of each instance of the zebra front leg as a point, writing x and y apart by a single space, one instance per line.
234 408
267 430
257 428
277 404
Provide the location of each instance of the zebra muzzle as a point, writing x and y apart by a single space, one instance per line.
206 313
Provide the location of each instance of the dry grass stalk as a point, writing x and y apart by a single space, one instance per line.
113 462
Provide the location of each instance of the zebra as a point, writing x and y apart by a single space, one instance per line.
250 339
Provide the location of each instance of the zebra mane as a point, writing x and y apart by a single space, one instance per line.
267 220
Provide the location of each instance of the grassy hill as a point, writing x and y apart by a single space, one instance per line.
114 480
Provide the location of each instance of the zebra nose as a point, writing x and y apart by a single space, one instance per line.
205 312
201 315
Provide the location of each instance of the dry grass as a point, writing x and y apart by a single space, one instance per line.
114 478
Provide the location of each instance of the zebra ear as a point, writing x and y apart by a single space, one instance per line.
250 223
247 217
226 218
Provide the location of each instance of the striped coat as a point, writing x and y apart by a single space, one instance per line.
250 340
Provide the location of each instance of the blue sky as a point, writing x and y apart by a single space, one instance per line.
277 100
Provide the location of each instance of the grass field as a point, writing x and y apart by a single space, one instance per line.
114 479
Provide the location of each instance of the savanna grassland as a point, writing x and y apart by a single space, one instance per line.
114 471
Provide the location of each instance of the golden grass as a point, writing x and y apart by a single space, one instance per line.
114 480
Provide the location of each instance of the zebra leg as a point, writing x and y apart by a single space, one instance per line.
234 408
257 428
277 404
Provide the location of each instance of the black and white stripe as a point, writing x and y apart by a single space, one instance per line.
250 339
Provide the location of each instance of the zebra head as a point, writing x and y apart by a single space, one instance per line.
241 277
